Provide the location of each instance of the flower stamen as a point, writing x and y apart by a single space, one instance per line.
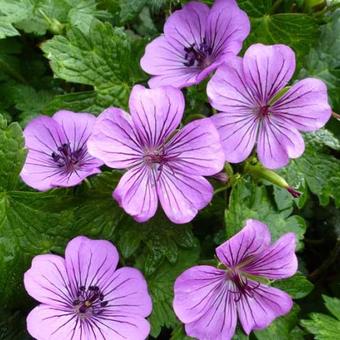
89 301
198 55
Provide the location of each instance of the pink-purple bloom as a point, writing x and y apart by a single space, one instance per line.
163 164
255 110
85 296
57 150
195 42
209 300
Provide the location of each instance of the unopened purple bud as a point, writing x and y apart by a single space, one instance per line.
294 192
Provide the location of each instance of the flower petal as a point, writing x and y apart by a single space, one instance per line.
77 128
69 179
193 288
227 28
38 170
114 140
47 281
203 303
227 90
263 305
90 262
237 124
304 106
268 69
156 113
288 136
165 56
277 261
251 240
51 323
43 136
182 194
187 26
197 149
136 193
119 327
127 293
277 142
165 61
238 135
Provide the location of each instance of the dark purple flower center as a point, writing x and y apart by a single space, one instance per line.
263 111
198 55
157 156
242 286
89 301
66 158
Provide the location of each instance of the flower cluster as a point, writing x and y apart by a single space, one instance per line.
83 296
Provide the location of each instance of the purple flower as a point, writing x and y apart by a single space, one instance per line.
57 152
196 41
209 300
85 296
162 163
256 110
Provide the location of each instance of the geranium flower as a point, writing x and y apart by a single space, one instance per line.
85 296
196 41
255 110
57 152
162 163
209 300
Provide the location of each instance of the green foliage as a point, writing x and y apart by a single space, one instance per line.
83 55
104 59
161 289
40 16
324 61
297 286
283 328
12 154
249 200
322 326
299 31
317 167
158 240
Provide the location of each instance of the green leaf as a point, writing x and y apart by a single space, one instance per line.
317 168
158 240
324 60
299 31
40 16
161 288
85 101
325 327
297 286
7 29
321 139
11 12
282 328
12 154
178 333
256 9
84 12
104 59
248 200
28 101
129 9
